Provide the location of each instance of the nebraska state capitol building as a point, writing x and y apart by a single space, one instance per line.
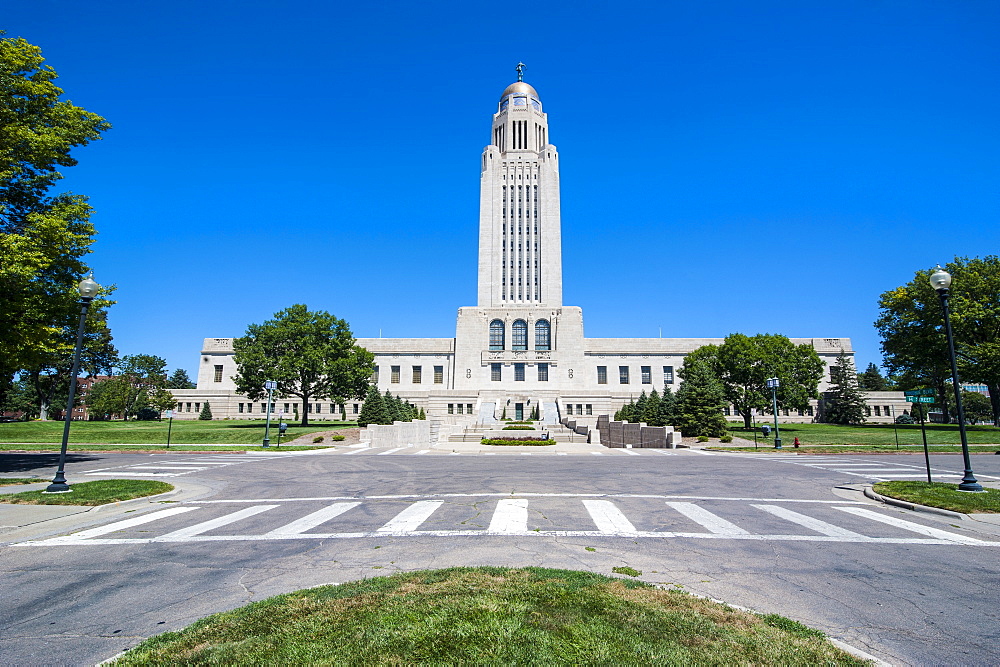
520 347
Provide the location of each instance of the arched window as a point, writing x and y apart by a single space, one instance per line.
543 335
496 335
519 335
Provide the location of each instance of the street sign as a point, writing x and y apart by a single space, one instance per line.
919 399
170 414
270 384
919 392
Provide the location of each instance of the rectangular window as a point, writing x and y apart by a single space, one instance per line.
319 408
469 408
189 407
263 408
668 375
878 411
887 411
439 375
647 374
197 407
418 372
218 373
286 408
395 375
602 375
375 376
579 409
333 408
543 372
309 408
241 407
569 408
518 372
623 374
590 409
451 408
809 411
725 411
496 373
355 410
461 407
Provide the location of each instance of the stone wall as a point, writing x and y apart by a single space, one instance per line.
416 433
624 434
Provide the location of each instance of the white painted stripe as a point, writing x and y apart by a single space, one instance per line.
139 474
873 469
510 516
454 453
913 527
660 451
561 454
411 517
122 525
698 451
598 453
504 494
631 453
354 451
147 466
423 451
821 527
311 520
714 524
390 451
489 453
608 518
212 524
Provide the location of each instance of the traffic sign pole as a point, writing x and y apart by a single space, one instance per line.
269 385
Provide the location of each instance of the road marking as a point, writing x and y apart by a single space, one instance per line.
122 525
410 518
876 469
561 454
914 527
354 451
598 453
525 453
422 451
712 523
212 524
698 451
660 451
821 527
153 466
631 453
510 516
390 451
311 520
608 518
139 474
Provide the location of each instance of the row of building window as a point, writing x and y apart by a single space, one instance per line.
808 412
496 372
459 408
645 375
247 408
519 335
580 409
416 375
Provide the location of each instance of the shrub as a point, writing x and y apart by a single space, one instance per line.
513 442
904 419
726 438
702 438
518 427
147 415
318 438
336 438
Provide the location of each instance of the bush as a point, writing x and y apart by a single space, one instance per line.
513 442
336 438
147 415
318 438
726 438
904 419
702 438
518 427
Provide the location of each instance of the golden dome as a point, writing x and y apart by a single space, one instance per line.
520 87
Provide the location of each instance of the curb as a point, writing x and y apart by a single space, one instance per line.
870 493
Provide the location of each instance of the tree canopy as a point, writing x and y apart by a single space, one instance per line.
43 237
914 346
844 403
140 383
310 354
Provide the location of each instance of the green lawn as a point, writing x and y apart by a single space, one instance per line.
133 432
99 492
871 434
490 616
945 496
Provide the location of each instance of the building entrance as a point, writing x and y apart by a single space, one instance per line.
519 411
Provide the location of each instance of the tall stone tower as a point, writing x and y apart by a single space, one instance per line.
519 238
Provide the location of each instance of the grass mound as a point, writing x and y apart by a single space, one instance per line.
945 496
100 492
489 615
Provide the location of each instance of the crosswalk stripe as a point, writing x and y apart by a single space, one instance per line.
561 454
712 523
821 527
122 525
354 451
608 518
218 522
510 516
423 451
411 517
390 451
631 453
151 466
909 525
138 474
598 453
311 520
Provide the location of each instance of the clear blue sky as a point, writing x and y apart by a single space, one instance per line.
726 166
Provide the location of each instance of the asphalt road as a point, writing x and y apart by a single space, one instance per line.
772 534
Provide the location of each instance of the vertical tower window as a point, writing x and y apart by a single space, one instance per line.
395 374
668 375
496 372
623 374
602 375
518 372
417 374
496 335
439 375
543 372
647 375
543 335
218 373
519 334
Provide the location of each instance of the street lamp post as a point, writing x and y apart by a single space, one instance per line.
773 384
88 290
941 282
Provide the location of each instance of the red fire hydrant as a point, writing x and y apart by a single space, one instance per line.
796 443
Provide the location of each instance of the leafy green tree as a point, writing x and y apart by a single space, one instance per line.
872 380
698 409
141 377
179 380
374 410
43 237
844 403
310 354
976 407
161 399
744 363
206 412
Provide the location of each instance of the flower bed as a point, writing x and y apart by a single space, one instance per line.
518 427
517 442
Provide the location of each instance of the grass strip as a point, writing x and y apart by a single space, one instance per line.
100 492
768 448
188 431
12 481
871 434
517 442
945 496
490 615
139 448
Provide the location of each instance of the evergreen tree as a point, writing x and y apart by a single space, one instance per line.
179 380
872 380
422 414
845 401
639 407
391 408
699 403
651 413
374 410
343 413
667 403
206 412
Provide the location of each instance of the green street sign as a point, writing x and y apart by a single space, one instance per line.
919 399
919 392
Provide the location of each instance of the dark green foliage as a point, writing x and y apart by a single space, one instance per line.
844 403
179 380
374 410
976 407
904 419
872 380
140 383
698 410
638 409
667 402
147 415
206 412
422 414
651 412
